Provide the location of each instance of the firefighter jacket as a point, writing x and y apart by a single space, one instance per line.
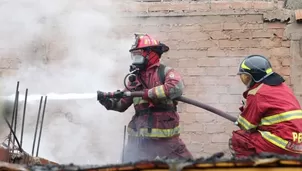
275 114
156 117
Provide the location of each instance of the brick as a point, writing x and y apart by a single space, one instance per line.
195 71
199 7
260 51
212 27
205 117
195 53
242 5
285 71
238 52
226 80
211 128
212 148
187 63
268 43
216 52
246 34
198 138
188 35
219 71
238 43
253 26
286 61
263 5
251 18
207 98
209 80
188 28
194 127
229 99
287 79
229 61
219 35
195 147
188 118
232 70
220 138
231 26
214 89
236 89
281 51
269 33
207 43
167 7
208 62
285 43
190 81
276 25
276 63
218 5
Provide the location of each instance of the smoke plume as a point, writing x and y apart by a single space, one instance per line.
62 46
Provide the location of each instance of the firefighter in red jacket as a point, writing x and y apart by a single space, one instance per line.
154 129
271 118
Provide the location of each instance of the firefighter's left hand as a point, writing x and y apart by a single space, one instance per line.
146 96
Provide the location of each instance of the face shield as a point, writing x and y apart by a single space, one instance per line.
137 57
139 61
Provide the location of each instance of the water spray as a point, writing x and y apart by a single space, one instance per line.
53 96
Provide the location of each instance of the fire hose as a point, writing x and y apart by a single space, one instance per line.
182 99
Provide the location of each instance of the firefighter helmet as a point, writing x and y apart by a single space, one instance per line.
257 66
145 41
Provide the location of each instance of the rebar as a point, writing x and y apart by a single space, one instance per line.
41 126
13 116
36 129
23 118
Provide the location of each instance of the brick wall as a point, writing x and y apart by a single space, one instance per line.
207 41
206 48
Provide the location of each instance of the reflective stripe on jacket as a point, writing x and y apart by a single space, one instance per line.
276 114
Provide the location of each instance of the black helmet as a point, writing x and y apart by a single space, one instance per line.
256 66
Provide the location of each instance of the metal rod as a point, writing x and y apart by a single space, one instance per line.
23 118
16 118
124 140
12 121
41 126
11 128
38 118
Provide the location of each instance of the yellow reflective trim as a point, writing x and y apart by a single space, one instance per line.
159 91
282 117
246 124
243 66
155 133
269 70
139 100
274 139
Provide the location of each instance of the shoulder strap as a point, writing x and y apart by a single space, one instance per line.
161 73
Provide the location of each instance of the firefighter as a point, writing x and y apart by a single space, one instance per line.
154 129
271 118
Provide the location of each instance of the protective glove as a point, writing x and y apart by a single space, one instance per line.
243 105
102 97
146 96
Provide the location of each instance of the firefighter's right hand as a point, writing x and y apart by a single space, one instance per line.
104 100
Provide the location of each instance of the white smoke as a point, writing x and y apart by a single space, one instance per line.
62 46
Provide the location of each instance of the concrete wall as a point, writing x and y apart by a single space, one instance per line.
207 41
